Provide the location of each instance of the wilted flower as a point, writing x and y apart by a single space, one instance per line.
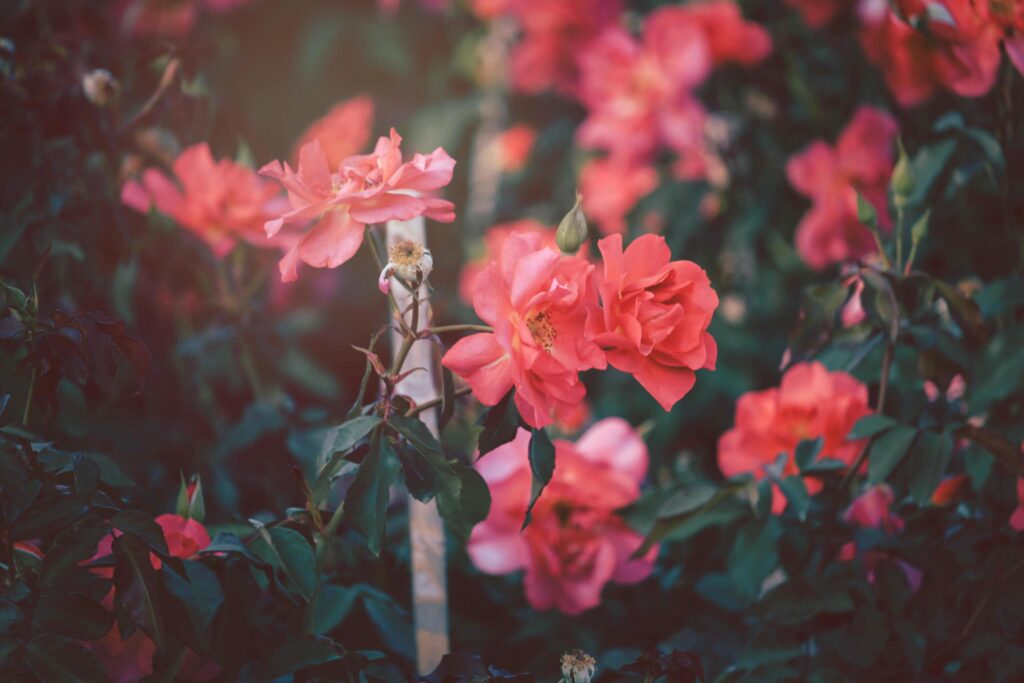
577 667
407 260
365 189
810 402
575 542
100 87
654 316
536 299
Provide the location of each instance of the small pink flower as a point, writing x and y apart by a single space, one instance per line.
654 316
611 187
536 299
872 510
861 161
514 147
221 201
575 543
365 189
853 310
810 402
343 131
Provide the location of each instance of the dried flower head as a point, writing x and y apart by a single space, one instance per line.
100 87
407 260
577 667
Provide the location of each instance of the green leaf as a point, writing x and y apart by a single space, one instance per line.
333 604
295 655
10 615
337 443
143 526
199 591
87 477
292 554
754 555
73 615
799 600
74 544
137 593
542 467
927 464
366 502
870 425
56 659
500 425
689 511
887 451
472 504
390 620
47 516
866 212
881 302
795 491
807 451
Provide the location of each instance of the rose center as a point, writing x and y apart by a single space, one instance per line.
542 330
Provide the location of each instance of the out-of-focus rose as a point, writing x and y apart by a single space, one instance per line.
575 543
169 18
861 161
343 131
873 510
536 299
366 189
514 145
611 187
949 490
1017 518
654 316
810 402
220 201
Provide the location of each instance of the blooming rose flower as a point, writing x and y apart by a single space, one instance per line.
817 13
575 542
861 161
654 316
554 35
172 19
949 490
221 201
343 131
370 188
611 188
729 36
536 300
810 402
960 51
130 659
493 241
872 509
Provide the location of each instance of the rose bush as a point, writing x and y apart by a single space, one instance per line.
752 411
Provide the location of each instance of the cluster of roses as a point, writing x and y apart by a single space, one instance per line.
924 45
555 315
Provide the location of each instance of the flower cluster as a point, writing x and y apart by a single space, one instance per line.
640 99
873 510
810 402
831 177
575 543
364 189
556 315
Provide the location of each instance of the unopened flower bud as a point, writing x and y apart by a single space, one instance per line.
190 499
100 87
903 181
577 667
572 231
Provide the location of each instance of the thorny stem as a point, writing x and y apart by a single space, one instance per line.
409 334
879 409
434 402
459 328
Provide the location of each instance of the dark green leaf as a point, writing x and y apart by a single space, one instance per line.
199 592
542 467
143 526
869 425
471 506
87 477
333 604
366 502
137 593
807 451
55 659
74 544
500 425
73 615
293 555
295 655
799 600
47 516
887 451
344 437
10 615
881 302
927 464
392 623
796 493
